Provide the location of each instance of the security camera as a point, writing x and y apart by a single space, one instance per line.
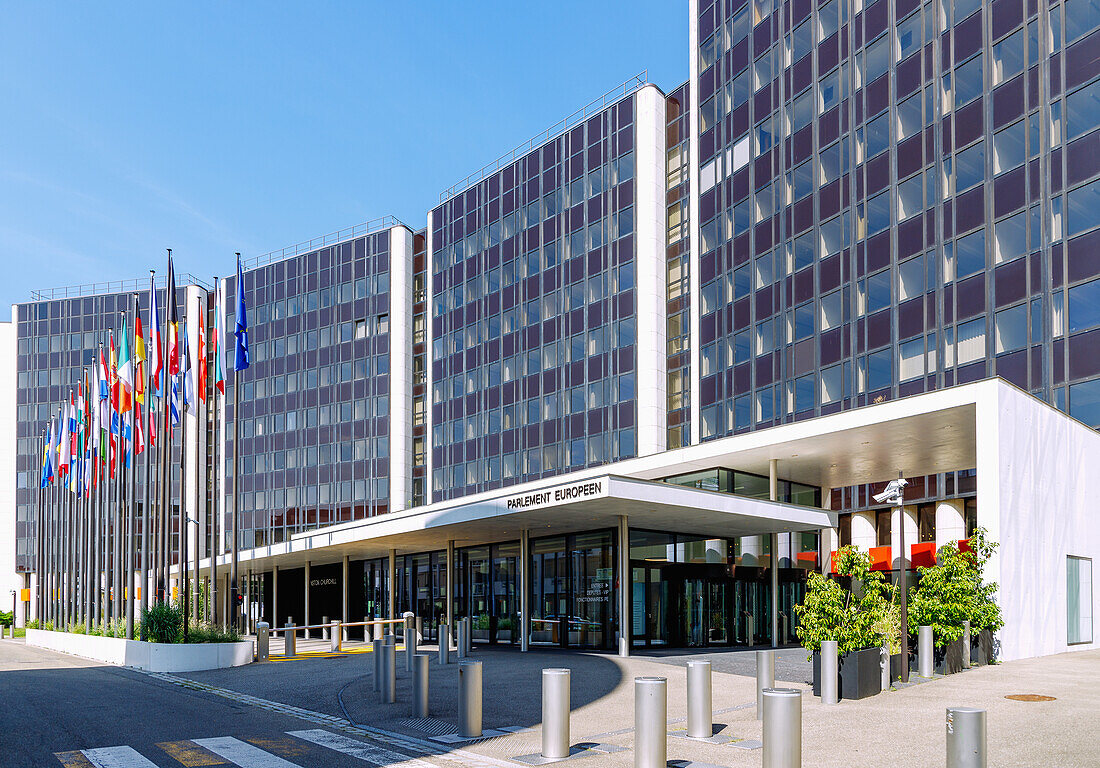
893 492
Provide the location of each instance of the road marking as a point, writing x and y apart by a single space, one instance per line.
358 749
280 746
190 754
117 757
74 759
243 754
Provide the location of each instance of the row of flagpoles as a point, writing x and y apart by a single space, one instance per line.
97 543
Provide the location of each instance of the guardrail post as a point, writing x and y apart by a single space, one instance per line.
289 640
765 678
700 719
966 747
925 663
335 636
555 713
389 674
376 651
420 686
324 628
410 640
966 644
782 728
829 678
650 722
444 644
469 699
463 631
262 641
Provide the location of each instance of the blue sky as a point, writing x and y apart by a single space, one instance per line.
222 127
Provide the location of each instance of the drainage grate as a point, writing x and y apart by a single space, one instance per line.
1030 697
429 725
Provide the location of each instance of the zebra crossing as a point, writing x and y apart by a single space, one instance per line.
299 749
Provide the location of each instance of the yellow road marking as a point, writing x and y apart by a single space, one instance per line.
283 747
74 759
190 754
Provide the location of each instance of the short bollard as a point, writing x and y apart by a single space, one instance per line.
765 678
419 629
390 639
324 629
966 737
389 674
700 720
420 686
782 728
463 628
469 699
263 640
555 714
966 644
289 640
469 635
376 647
749 630
829 668
884 667
925 663
650 722
335 637
444 644
410 641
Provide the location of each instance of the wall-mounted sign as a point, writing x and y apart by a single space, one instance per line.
576 491
323 583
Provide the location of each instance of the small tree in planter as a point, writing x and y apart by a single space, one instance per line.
985 614
856 610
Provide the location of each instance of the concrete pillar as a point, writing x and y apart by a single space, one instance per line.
752 550
524 590
393 585
912 534
829 543
305 621
247 602
624 586
864 535
950 521
773 494
450 583
345 616
275 596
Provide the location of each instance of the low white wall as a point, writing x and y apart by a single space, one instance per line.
152 657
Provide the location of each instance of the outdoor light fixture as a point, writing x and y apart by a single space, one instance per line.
894 495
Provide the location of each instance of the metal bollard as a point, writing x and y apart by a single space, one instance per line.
829 667
700 719
469 699
925 665
469 635
782 728
410 642
289 640
555 714
263 640
390 639
419 629
650 722
420 686
765 678
966 644
389 674
444 644
884 666
336 636
324 629
463 630
749 630
376 651
966 738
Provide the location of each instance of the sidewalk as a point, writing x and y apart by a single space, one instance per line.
900 727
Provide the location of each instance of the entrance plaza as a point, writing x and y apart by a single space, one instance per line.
903 727
721 535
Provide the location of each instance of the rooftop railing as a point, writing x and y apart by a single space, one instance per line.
359 230
116 286
596 105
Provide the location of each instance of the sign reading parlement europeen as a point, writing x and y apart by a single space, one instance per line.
585 489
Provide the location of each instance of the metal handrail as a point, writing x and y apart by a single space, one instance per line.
116 286
620 91
321 241
296 627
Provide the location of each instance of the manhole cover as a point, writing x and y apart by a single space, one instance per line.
1030 697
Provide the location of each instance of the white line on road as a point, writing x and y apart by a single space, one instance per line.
243 754
117 757
358 749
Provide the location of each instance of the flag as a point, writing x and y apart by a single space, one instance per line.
174 402
103 408
64 445
112 405
185 374
139 356
125 372
173 321
241 361
55 446
200 381
139 431
219 335
154 319
47 458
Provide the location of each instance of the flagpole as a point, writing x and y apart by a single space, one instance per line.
185 563
38 534
146 421
214 499
166 435
201 346
131 519
234 588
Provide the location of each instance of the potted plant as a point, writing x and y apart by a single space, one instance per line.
985 614
853 609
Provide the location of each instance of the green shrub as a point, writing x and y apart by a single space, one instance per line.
209 633
48 626
163 623
78 629
32 624
7 619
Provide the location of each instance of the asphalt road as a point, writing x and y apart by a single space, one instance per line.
55 706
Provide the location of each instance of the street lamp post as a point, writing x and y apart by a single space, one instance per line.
894 494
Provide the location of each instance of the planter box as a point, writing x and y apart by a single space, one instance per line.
860 673
982 649
945 661
152 657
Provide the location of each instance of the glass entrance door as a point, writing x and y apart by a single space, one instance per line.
693 612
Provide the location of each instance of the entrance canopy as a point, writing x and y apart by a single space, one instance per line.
550 508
